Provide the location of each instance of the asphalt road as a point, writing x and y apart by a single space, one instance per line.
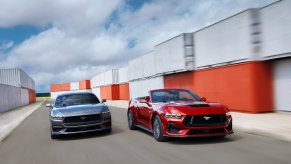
30 143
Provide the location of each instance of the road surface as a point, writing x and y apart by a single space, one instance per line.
30 143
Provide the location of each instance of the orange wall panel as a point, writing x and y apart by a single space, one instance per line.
179 80
31 94
243 87
124 91
85 84
110 92
60 87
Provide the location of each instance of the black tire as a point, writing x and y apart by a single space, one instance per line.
130 120
158 129
53 136
108 130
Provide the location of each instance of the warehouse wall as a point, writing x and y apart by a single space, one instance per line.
85 84
242 87
110 92
60 87
123 75
135 69
177 51
9 97
282 84
74 86
124 91
96 91
12 97
149 65
226 41
16 77
276 25
140 88
16 89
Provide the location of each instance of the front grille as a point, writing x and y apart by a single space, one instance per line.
206 131
82 129
83 119
205 120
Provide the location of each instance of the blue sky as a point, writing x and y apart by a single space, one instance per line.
80 39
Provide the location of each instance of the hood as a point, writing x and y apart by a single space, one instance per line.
77 110
192 107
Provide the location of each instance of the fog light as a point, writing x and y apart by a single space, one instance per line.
172 128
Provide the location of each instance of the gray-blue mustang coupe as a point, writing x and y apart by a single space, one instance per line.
78 113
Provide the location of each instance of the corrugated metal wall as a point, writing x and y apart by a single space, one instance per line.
226 41
149 65
282 84
174 55
16 77
74 86
140 88
96 91
9 97
242 87
16 89
276 33
135 69
12 97
123 76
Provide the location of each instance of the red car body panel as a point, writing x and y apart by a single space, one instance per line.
144 112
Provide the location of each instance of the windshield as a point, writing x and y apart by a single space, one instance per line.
76 99
174 95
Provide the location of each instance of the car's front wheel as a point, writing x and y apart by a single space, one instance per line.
158 129
53 136
130 119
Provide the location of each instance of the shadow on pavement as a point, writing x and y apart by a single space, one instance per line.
87 135
196 140
204 140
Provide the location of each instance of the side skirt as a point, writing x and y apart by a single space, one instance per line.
144 128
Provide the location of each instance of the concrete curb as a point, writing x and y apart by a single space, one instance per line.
6 129
263 133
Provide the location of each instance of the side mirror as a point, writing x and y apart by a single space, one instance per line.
145 99
103 100
142 100
203 99
49 105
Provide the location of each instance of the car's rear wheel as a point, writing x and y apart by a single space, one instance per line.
158 129
130 119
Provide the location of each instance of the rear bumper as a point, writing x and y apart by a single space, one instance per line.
59 128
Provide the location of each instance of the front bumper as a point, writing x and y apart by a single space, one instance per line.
58 127
176 128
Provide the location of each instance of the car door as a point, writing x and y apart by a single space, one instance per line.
144 111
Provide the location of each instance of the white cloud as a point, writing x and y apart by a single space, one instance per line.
6 45
77 45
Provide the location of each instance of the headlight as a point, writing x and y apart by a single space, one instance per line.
168 115
228 114
57 117
106 112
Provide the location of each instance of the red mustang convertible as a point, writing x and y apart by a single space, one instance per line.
178 113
